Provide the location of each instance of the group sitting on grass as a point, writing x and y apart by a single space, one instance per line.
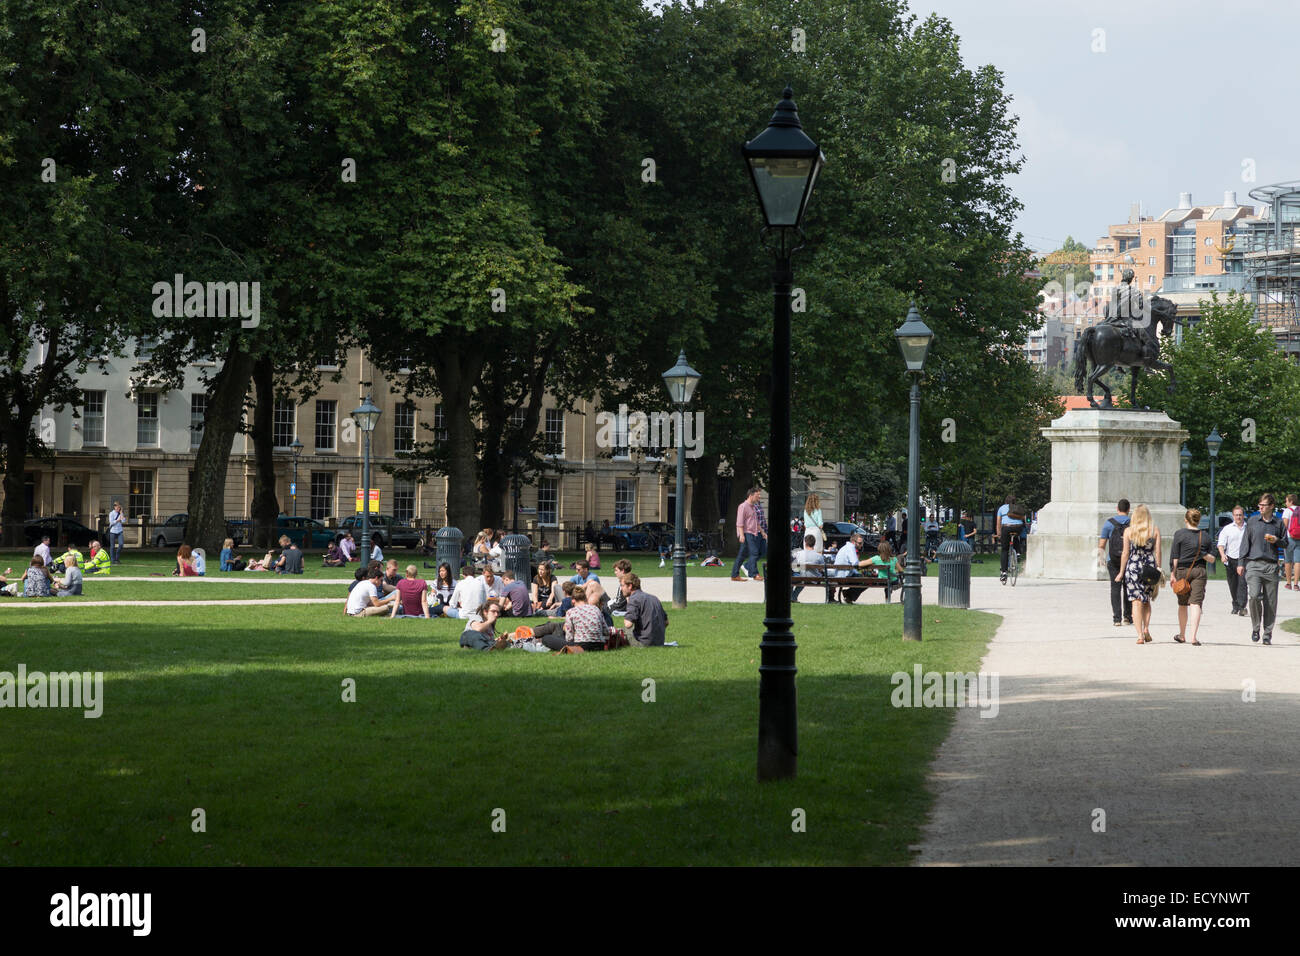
42 577
289 561
582 618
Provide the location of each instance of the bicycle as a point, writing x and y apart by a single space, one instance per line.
1013 560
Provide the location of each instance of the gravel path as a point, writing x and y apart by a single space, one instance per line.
1157 736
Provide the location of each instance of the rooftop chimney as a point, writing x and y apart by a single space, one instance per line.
1230 197
1135 212
1184 200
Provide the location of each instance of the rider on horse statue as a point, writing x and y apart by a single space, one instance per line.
1126 309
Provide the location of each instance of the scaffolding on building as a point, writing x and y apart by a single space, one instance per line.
1271 261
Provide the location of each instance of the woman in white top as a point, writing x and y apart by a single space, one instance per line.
812 520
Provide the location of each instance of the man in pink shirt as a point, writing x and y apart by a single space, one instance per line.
747 533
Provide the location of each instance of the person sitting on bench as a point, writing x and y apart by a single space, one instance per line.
848 555
801 560
885 559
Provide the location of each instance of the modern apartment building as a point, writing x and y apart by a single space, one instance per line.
136 444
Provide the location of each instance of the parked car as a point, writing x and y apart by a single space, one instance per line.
56 527
837 532
171 533
395 533
1225 517
304 532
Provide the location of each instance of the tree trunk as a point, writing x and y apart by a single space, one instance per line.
456 374
265 507
705 509
15 448
207 524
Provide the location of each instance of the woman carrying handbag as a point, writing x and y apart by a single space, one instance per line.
1140 569
1190 550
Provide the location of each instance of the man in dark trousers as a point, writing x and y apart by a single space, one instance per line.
1230 553
1259 566
1110 547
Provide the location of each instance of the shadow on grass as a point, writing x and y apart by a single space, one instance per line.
249 724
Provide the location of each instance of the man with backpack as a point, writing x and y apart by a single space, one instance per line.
1008 527
1291 520
1110 548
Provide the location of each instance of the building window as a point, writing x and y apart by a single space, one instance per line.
403 427
1209 240
439 424
328 361
1209 260
146 419
284 422
548 501
144 346
92 418
404 501
1151 243
139 502
1151 260
325 415
1151 280
322 494
198 412
625 501
555 432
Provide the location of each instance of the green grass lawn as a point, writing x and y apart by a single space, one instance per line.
241 714
107 589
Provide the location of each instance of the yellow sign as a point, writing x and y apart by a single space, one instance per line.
374 500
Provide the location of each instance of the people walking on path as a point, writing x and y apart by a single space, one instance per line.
1140 560
1259 567
115 533
1110 546
812 520
747 534
1009 525
1190 550
1230 536
1291 521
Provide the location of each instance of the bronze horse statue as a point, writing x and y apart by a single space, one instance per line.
1108 345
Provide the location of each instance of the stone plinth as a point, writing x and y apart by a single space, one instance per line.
1098 457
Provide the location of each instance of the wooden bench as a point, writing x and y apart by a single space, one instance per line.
859 578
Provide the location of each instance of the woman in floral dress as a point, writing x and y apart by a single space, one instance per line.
1141 550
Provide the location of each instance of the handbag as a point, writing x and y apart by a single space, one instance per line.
1149 576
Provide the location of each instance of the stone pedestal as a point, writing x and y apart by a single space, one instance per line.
1098 457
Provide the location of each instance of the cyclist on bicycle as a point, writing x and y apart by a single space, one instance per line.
1009 524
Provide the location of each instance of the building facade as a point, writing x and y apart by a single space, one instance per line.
136 444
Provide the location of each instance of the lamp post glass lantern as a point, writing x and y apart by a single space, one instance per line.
296 448
680 380
366 417
914 338
783 165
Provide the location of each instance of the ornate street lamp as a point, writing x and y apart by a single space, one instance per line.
366 417
783 164
914 338
1213 442
680 380
1184 465
296 448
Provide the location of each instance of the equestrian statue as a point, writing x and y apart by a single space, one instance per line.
1125 338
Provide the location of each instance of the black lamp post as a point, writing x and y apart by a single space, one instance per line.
783 163
914 338
680 380
366 417
1184 464
296 448
1213 442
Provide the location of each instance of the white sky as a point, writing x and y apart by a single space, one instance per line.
1220 79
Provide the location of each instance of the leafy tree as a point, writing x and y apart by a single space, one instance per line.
1069 265
1228 373
87 143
